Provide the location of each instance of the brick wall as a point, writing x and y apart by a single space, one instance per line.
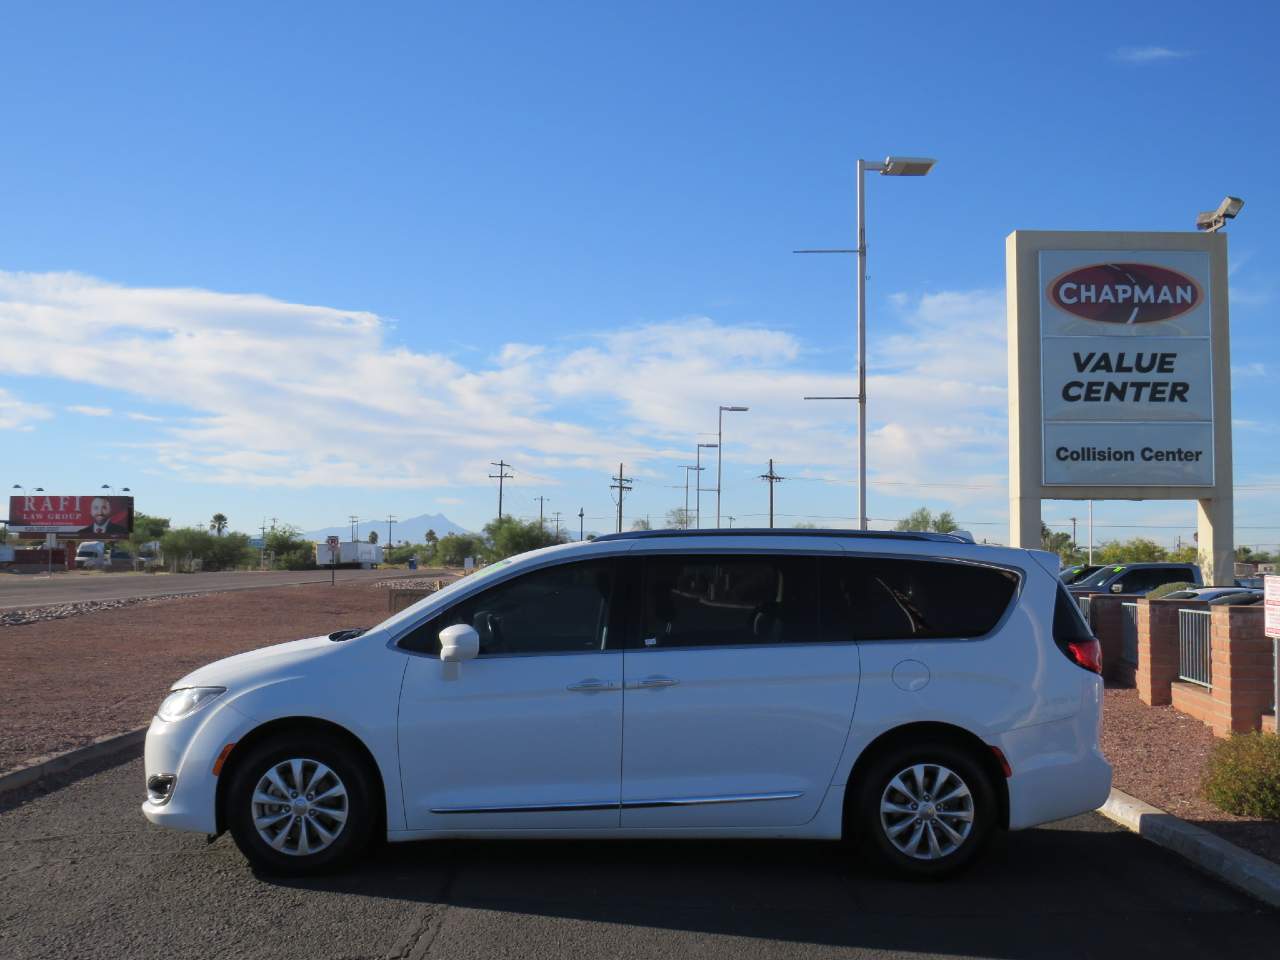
1158 648
1105 617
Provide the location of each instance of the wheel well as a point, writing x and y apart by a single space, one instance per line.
914 733
302 726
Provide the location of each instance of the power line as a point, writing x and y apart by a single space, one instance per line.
500 476
771 478
623 486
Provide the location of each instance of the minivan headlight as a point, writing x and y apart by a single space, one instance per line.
186 701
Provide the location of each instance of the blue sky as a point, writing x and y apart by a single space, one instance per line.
317 259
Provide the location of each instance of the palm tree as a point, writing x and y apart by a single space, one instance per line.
218 524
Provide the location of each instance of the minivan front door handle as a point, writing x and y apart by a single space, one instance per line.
591 685
655 681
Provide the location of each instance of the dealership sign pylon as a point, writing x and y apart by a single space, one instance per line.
1120 377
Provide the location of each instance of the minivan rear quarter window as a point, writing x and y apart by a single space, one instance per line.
885 598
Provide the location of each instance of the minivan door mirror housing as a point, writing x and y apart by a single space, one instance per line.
459 642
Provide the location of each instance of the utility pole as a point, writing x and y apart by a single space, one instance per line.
731 519
262 551
556 518
772 478
541 502
581 514
500 476
622 485
390 520
355 526
1073 534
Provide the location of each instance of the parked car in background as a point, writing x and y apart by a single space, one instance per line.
1209 594
911 690
1254 583
91 555
1136 578
1078 572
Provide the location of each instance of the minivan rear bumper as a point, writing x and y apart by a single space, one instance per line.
1058 768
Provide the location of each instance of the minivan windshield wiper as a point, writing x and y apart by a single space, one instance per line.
350 634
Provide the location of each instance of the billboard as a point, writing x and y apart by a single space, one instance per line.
93 517
1126 368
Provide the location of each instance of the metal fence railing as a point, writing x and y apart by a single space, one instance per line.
1129 632
1084 608
1193 647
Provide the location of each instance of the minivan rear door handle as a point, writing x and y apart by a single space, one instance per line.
655 681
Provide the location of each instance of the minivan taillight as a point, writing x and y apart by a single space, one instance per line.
1072 634
1085 653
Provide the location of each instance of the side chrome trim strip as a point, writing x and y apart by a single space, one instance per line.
699 801
625 804
533 807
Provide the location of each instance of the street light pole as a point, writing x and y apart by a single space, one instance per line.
697 502
720 451
891 167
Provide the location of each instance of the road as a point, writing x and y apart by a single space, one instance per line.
31 590
83 875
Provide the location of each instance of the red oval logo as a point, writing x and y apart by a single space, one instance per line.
1125 292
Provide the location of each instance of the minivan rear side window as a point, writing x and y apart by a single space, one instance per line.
718 601
890 598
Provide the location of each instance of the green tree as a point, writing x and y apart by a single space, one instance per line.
402 553
291 550
804 525
923 520
1137 550
183 546
218 524
641 525
453 548
373 536
507 536
1060 543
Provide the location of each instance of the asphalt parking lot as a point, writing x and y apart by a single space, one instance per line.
83 875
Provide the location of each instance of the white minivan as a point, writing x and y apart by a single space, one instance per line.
911 691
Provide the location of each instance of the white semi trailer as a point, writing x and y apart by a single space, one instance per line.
360 554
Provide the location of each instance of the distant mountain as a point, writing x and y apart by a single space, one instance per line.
412 529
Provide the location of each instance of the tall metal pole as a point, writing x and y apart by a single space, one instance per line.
1091 531
862 350
697 498
719 460
500 476
581 513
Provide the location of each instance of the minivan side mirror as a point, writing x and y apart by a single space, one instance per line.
459 642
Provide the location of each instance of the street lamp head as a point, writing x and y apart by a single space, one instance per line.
712 445
735 409
1215 220
906 166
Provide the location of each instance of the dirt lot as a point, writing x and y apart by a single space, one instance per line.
64 683
1159 755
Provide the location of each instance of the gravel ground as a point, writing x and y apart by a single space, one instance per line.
61 611
65 682
1159 756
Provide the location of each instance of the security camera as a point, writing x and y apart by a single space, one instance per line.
1215 220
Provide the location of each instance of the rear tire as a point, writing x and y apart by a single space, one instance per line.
300 805
924 810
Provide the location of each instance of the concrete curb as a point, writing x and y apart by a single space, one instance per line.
58 763
1246 871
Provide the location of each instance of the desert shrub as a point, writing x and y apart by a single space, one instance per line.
1243 775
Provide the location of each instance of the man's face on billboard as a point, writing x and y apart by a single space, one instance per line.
101 510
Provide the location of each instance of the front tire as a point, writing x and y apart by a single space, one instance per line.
300 805
925 810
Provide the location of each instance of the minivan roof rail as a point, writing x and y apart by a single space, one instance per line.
791 532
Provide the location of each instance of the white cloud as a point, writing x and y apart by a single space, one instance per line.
144 417
90 411
293 394
16 414
1151 54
